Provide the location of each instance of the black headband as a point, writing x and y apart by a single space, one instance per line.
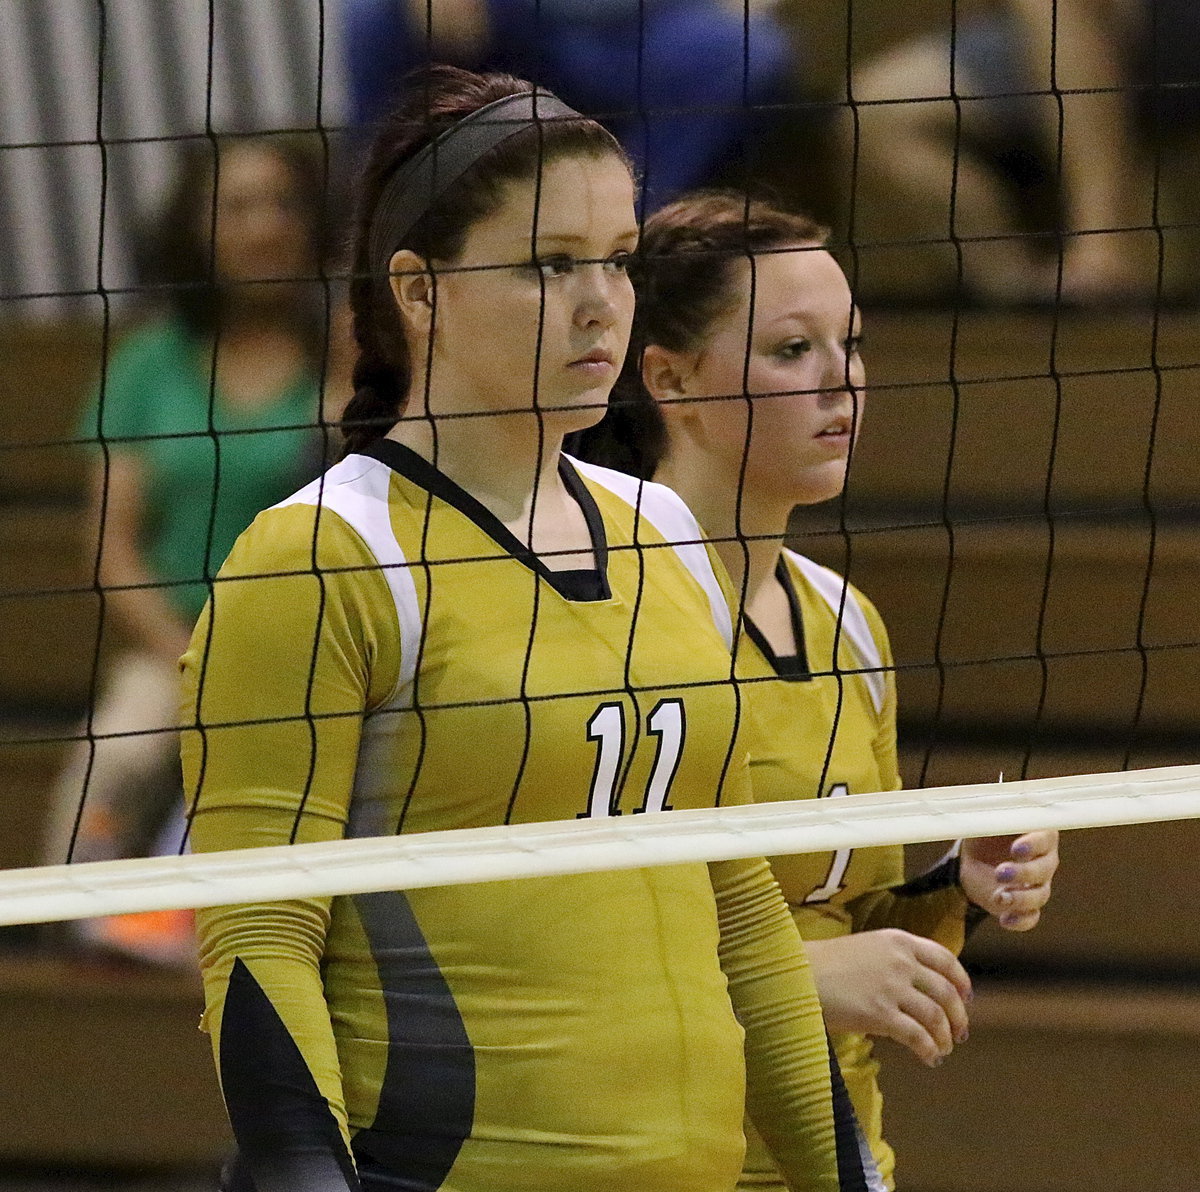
414 188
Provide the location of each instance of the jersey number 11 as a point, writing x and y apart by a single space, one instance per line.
607 729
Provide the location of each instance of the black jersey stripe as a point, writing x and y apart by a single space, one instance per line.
427 1098
856 1168
943 876
288 1139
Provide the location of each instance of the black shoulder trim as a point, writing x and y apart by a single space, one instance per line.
792 667
421 472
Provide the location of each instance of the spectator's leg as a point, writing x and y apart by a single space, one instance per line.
135 743
133 805
913 188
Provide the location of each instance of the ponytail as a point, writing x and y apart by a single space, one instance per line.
373 410
380 378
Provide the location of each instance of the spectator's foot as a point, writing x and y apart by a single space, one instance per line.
163 938
1097 271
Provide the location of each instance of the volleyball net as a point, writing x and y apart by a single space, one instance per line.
1039 600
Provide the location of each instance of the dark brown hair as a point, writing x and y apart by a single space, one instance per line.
433 101
685 278
177 252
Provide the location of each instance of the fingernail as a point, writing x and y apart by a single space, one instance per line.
963 1037
969 996
1006 873
938 1062
1004 897
1008 920
1021 850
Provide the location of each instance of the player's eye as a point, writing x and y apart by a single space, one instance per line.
795 348
618 262
558 265
854 345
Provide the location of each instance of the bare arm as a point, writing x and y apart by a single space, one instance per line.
457 29
1083 37
143 612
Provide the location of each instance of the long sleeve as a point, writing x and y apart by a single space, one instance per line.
795 1102
283 664
931 904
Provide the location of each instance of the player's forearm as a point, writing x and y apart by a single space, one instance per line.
789 1096
931 905
274 1045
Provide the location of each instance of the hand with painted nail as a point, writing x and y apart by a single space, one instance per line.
1010 876
895 984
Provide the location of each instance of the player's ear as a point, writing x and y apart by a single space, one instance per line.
412 284
664 373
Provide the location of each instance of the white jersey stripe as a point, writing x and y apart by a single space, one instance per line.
854 623
356 489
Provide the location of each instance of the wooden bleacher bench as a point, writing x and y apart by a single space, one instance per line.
964 611
987 387
106 1067
48 368
1068 1088
49 610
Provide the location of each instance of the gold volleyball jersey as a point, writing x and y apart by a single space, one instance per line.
381 655
823 725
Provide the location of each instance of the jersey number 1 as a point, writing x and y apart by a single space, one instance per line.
607 729
836 876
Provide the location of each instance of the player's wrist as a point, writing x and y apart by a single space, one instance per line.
975 912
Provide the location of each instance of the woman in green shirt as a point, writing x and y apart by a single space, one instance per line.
207 414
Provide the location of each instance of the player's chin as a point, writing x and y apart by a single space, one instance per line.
576 408
804 481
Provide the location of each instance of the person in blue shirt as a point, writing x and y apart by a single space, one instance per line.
691 87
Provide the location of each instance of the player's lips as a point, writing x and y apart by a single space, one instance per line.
597 363
836 429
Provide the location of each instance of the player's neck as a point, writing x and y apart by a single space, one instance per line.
747 534
501 461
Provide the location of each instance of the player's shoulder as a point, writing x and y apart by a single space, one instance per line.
664 508
667 514
859 623
830 591
829 584
334 522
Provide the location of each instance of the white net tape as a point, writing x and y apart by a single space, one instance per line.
588 845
